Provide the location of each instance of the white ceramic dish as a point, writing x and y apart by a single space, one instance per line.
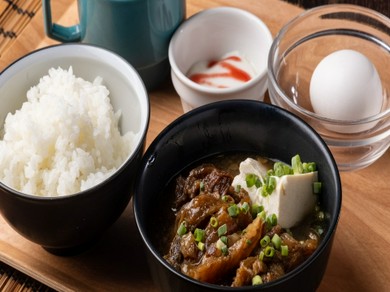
210 34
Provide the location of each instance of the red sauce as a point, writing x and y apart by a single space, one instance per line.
232 72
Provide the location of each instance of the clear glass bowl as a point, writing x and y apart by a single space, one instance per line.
302 44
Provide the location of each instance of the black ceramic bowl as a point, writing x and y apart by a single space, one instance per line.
231 126
68 223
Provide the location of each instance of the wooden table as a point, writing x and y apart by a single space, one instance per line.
360 259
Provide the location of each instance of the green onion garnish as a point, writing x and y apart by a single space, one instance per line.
262 215
309 167
200 245
317 187
201 186
227 199
265 241
252 180
222 230
224 239
277 241
219 244
261 255
256 280
213 222
281 169
264 191
245 207
182 229
225 250
233 210
269 251
256 209
199 234
271 185
284 250
296 164
272 220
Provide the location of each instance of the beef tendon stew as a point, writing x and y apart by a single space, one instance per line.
231 226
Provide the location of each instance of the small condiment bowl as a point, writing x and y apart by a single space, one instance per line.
209 35
302 44
70 223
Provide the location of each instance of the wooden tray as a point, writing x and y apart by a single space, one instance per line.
360 259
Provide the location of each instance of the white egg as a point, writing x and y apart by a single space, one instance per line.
346 86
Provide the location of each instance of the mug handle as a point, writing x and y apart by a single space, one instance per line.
58 32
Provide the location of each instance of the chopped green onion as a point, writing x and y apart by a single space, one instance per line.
224 239
252 180
245 207
256 280
213 222
296 164
227 199
309 167
200 246
256 209
264 191
199 234
248 241
268 186
182 229
225 250
272 220
219 244
261 255
222 230
317 185
271 185
284 250
237 188
265 241
262 215
281 169
277 241
201 186
269 251
233 210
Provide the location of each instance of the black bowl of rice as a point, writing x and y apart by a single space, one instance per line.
73 122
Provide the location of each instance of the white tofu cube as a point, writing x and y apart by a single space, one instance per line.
291 201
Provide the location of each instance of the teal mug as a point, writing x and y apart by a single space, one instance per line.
138 30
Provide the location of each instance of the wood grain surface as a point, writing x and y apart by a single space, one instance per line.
360 259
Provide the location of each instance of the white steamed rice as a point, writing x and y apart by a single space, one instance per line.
64 139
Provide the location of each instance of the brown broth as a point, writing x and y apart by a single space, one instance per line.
229 162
